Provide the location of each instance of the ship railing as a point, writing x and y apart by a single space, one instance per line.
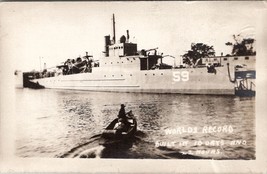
252 85
245 85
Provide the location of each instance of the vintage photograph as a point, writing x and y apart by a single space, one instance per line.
134 80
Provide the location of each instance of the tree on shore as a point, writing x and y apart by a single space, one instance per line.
198 50
242 46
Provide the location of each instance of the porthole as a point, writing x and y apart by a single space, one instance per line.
225 58
236 58
246 58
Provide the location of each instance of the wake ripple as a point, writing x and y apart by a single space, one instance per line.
138 148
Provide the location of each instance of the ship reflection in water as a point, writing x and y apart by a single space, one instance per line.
57 123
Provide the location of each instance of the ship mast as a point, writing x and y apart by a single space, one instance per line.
114 35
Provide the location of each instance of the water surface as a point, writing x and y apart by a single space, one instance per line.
67 123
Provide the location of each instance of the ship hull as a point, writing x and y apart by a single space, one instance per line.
183 81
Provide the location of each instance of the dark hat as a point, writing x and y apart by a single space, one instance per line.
122 105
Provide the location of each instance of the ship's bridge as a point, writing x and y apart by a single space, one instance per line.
122 49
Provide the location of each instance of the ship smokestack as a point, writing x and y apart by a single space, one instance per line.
107 43
114 34
128 36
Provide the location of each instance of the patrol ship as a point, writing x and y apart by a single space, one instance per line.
125 69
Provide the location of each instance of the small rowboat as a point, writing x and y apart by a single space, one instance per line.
112 135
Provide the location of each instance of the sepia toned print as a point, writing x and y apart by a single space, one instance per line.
136 80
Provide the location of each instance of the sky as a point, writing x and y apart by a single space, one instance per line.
38 33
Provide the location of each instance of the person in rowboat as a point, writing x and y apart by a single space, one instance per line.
123 119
